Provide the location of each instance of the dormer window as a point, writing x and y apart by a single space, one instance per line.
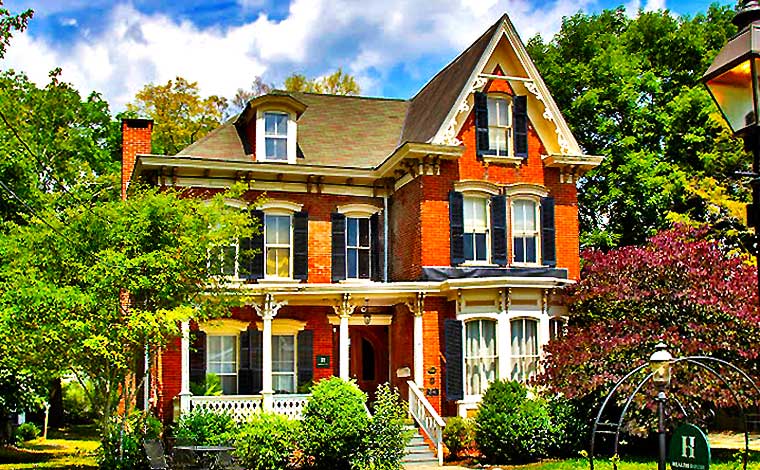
276 135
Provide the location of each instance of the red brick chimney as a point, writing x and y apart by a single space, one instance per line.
135 139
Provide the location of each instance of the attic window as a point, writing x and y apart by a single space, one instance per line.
275 135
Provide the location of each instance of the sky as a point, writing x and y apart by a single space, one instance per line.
392 47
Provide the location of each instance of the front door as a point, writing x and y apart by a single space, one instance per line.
369 357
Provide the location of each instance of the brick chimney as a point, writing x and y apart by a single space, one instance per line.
135 139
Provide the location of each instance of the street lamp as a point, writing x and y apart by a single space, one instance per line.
734 85
659 364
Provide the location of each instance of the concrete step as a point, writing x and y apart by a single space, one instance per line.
418 452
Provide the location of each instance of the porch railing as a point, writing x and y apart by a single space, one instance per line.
240 406
290 405
427 418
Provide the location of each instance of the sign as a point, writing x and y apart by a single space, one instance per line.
323 362
432 392
689 449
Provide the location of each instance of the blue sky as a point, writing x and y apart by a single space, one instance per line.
392 46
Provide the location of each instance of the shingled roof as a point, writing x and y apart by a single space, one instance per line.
356 131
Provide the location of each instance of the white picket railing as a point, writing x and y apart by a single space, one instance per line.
290 405
240 406
427 418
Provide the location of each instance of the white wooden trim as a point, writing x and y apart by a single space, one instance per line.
358 210
261 137
284 326
525 189
357 319
223 326
279 207
478 187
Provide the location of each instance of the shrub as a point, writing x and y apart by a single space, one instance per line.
203 427
385 440
76 406
209 387
266 441
570 425
26 432
510 427
458 435
121 442
334 423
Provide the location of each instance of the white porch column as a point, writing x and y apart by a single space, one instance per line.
503 334
267 311
344 311
184 394
418 308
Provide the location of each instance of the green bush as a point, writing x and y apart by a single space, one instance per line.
201 427
76 407
458 435
510 427
570 425
266 441
26 432
210 387
333 425
385 440
121 442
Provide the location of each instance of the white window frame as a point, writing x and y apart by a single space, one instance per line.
294 373
503 128
236 353
525 234
487 201
468 395
289 246
557 327
514 358
261 135
368 248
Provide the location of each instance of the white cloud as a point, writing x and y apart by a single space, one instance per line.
316 36
654 5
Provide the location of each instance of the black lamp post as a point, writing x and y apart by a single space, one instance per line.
659 364
734 84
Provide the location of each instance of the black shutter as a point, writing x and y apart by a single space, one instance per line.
520 107
301 246
198 357
548 250
374 247
499 230
256 361
305 357
456 224
256 270
452 330
245 374
481 123
338 246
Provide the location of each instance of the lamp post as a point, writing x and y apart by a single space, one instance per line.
734 85
659 363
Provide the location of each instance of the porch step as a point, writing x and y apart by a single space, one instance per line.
418 452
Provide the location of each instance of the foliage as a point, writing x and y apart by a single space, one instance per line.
458 435
266 441
681 288
334 423
629 88
510 427
10 23
243 96
26 432
181 116
337 83
571 420
212 386
121 446
20 390
385 439
76 407
203 427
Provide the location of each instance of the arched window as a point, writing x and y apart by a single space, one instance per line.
480 356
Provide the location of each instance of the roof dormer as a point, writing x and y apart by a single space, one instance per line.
271 122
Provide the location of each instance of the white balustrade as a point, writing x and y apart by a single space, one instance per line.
290 405
239 406
427 418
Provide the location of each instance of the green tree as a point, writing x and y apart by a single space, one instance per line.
337 83
9 23
630 90
243 95
180 114
64 282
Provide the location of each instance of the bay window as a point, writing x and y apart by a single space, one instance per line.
480 356
277 246
476 229
525 231
524 348
221 360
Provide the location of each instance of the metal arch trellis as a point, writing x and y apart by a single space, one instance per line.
699 361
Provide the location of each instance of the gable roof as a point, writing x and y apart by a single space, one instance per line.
432 103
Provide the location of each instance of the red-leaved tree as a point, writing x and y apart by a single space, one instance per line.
680 288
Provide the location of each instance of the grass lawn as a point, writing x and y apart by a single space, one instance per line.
66 448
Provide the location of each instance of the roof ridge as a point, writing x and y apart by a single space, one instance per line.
360 97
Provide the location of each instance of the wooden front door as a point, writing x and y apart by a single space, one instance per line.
369 357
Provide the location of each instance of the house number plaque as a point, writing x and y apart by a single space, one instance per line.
323 362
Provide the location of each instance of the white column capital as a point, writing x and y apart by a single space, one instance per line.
345 309
417 307
269 307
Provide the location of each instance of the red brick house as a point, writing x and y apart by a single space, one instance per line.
414 240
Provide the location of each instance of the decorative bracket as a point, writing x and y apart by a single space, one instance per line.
417 307
346 308
269 307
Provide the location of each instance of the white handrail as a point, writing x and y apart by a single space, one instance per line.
428 419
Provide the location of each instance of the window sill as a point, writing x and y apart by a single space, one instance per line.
505 160
357 281
278 280
529 265
478 264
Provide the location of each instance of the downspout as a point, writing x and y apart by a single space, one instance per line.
385 237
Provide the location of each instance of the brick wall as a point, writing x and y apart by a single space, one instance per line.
135 134
401 347
405 227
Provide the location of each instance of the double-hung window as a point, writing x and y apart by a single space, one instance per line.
499 125
277 245
476 231
221 359
525 230
357 248
524 348
480 355
284 363
276 136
